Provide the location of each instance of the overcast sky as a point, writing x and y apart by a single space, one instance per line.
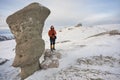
68 12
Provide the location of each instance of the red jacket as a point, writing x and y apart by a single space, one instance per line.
52 33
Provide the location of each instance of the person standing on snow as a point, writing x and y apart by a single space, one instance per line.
52 34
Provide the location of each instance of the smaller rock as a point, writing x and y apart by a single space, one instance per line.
47 53
96 79
56 55
79 25
51 59
114 32
54 64
2 61
48 63
51 54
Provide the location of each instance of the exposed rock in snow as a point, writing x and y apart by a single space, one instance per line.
79 25
99 60
27 26
52 54
112 32
2 61
50 63
50 59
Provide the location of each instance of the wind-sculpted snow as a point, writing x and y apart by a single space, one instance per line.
77 73
99 61
86 72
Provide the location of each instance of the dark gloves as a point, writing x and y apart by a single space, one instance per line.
53 37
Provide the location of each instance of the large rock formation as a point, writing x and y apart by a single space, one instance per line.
27 25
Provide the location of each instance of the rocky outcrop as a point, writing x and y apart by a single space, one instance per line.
79 25
51 59
27 26
111 33
2 61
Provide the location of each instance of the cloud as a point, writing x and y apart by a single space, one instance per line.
89 12
1 19
70 12
66 12
96 17
103 18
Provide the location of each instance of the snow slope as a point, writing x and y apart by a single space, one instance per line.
83 57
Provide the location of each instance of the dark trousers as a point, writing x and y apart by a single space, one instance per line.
52 41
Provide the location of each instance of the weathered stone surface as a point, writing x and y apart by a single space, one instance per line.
51 59
50 63
51 54
47 53
27 26
28 70
57 54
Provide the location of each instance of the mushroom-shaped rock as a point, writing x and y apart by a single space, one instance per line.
27 26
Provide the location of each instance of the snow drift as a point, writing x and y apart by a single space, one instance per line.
88 53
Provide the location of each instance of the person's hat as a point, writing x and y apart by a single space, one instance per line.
52 27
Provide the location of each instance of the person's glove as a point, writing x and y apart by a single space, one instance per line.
55 37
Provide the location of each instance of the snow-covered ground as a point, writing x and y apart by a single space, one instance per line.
88 53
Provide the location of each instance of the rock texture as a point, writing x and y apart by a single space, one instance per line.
27 25
51 59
